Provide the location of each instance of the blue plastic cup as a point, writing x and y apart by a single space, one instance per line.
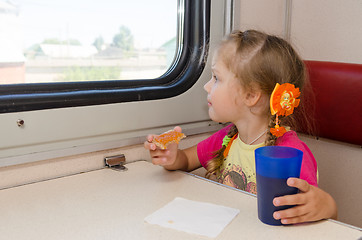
274 165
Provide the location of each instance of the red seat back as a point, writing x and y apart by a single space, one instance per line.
337 90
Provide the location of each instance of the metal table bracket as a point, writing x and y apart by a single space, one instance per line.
116 162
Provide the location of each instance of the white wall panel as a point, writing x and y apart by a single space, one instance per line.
328 30
262 15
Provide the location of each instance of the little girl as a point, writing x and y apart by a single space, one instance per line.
245 70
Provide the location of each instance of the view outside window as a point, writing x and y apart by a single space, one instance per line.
45 41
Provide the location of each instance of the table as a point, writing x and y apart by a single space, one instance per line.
109 204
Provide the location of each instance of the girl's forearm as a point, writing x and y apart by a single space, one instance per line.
186 160
181 162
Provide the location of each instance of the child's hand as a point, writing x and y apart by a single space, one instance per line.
161 157
313 204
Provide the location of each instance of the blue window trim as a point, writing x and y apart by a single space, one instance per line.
184 74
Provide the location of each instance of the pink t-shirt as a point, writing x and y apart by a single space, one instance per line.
207 147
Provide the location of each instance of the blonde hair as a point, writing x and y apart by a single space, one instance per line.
264 60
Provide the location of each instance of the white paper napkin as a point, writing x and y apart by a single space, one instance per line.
201 218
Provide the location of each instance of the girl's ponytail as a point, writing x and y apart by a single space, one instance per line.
270 138
213 166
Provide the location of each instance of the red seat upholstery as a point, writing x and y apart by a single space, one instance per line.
338 100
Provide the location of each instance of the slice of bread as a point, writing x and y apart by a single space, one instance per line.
168 137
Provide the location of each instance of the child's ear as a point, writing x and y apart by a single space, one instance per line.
252 97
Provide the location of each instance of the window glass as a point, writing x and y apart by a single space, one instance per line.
73 40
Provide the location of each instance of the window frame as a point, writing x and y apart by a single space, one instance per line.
189 63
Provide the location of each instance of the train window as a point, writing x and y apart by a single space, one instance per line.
86 42
75 53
